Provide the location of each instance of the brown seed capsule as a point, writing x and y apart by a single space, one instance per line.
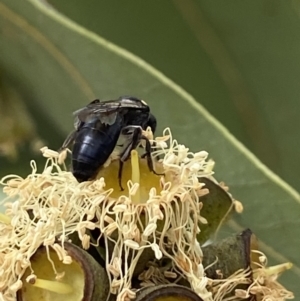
83 279
170 292
233 253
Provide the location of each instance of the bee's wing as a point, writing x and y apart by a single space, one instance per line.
77 123
68 141
105 111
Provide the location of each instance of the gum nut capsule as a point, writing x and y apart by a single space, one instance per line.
234 253
169 292
82 279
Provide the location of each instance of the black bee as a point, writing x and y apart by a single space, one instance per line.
98 127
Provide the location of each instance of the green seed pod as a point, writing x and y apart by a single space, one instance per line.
216 206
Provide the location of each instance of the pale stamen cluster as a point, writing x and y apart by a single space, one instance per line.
47 208
52 205
264 282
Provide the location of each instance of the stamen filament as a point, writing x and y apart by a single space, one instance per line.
274 270
135 174
53 286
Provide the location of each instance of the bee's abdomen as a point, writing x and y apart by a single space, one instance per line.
91 149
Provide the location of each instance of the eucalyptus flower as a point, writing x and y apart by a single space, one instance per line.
161 214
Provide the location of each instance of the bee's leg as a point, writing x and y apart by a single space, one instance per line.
70 139
145 154
148 149
134 139
121 163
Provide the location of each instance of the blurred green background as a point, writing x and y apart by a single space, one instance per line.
239 59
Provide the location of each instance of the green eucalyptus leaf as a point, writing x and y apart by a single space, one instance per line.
18 126
60 66
240 59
